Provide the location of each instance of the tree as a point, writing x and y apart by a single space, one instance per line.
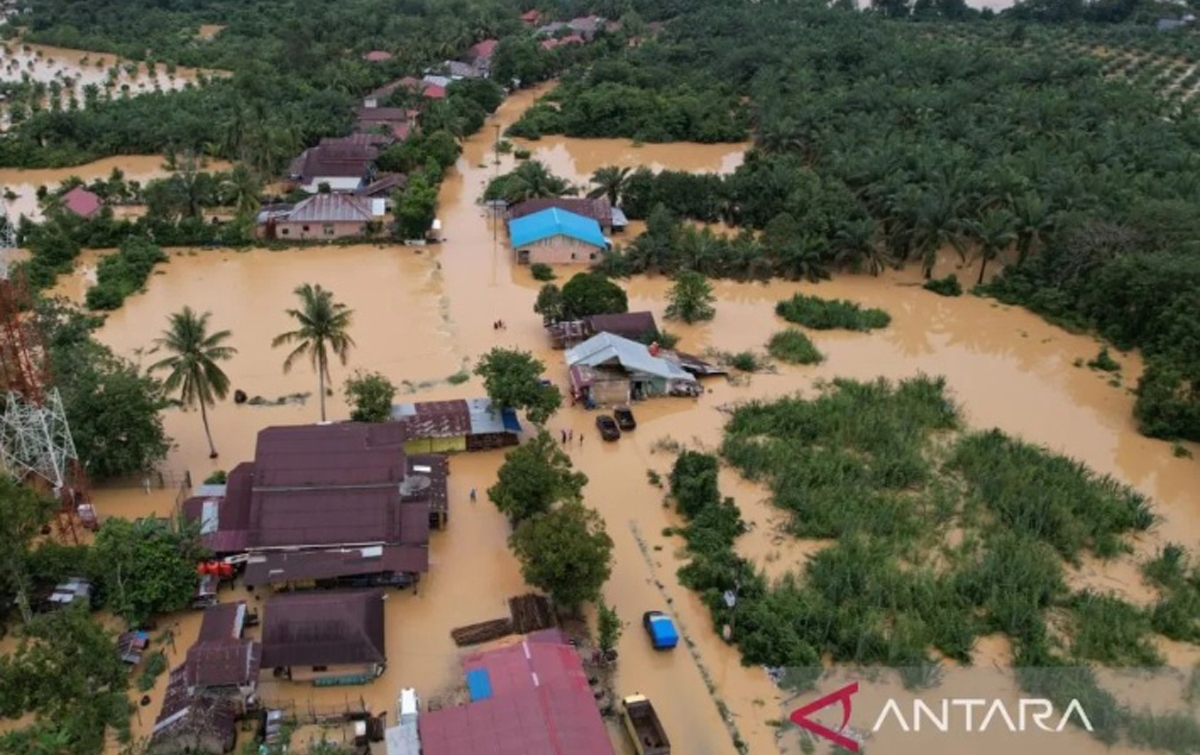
145 567
324 325
691 298
608 626
530 180
550 304
23 512
242 189
416 207
565 552
371 395
993 233
534 477
609 183
589 294
192 366
513 379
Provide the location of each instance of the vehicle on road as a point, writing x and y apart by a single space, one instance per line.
608 427
663 635
625 420
649 737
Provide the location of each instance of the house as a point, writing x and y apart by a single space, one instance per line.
607 370
377 56
1168 24
610 218
479 55
456 70
429 90
323 216
365 566
81 202
555 236
342 166
328 489
383 187
458 425
570 39
214 685
536 693
531 17
379 96
392 123
585 26
329 638
636 326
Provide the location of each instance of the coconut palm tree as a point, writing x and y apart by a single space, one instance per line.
323 328
610 182
192 363
242 188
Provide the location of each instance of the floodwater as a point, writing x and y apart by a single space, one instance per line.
25 182
76 69
420 314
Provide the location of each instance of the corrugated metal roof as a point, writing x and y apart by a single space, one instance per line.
222 622
328 628
631 355
227 663
274 568
541 704
330 208
597 209
554 222
485 420
629 325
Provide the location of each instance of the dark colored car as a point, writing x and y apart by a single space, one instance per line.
625 419
608 427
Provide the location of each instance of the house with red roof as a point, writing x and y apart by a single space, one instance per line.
377 56
81 202
531 698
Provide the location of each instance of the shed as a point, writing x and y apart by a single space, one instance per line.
456 425
607 369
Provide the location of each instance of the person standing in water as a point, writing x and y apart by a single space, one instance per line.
472 495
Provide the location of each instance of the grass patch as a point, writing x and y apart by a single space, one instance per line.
948 286
1108 630
830 314
1104 362
794 347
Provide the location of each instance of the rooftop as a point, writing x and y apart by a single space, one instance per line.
331 208
184 714
554 222
222 622
377 56
608 349
337 160
597 209
81 202
447 419
483 50
289 566
323 628
224 663
540 704
629 325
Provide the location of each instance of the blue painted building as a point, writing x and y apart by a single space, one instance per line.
556 237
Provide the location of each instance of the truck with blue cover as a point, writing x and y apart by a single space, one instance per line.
663 635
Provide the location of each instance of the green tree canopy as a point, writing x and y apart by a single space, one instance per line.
513 379
324 327
589 294
529 180
691 298
145 567
565 552
22 513
549 304
370 394
534 477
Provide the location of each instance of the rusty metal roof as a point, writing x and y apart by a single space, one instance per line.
222 622
330 628
629 325
223 663
274 568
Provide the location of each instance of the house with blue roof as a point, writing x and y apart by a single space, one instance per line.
556 237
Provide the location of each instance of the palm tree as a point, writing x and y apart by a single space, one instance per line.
993 233
193 363
533 180
242 188
323 325
610 182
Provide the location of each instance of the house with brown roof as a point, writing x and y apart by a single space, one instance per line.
610 218
329 502
325 637
323 216
79 201
341 166
531 17
635 326
456 425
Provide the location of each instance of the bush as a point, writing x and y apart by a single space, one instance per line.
794 347
370 394
746 361
542 272
522 154
948 286
216 478
123 273
1104 362
821 314
156 663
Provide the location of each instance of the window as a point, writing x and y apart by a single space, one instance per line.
328 229
304 228
572 255
592 256
284 231
318 669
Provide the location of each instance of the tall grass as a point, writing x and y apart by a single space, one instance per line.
794 347
830 314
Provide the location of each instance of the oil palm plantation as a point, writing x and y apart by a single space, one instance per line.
323 329
993 233
192 367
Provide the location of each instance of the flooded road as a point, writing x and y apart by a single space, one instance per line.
420 314
24 183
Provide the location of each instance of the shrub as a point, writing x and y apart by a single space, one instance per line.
746 361
542 272
1104 362
123 273
216 478
794 347
822 314
948 286
459 377
522 154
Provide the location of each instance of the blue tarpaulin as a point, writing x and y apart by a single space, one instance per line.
479 684
509 417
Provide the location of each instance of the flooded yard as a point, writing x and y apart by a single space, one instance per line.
422 314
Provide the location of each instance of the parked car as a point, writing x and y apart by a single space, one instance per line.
625 419
608 427
663 635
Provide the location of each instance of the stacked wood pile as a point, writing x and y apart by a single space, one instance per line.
484 631
531 613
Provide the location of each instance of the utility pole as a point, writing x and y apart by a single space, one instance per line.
494 208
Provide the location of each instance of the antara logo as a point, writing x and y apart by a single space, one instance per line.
957 714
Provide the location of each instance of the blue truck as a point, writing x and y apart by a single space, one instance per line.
663 635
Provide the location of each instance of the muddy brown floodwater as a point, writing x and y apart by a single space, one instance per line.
421 314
